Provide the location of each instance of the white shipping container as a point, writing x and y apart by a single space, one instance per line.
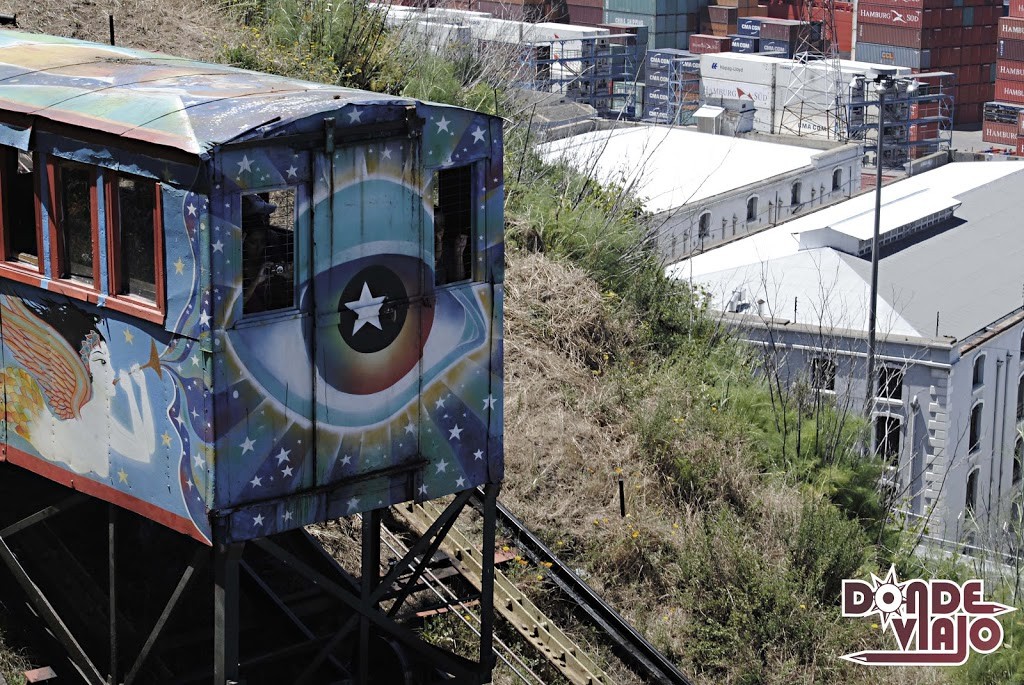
734 66
820 126
759 94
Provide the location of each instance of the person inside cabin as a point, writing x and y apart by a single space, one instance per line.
267 257
449 251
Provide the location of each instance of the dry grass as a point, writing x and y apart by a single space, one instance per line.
188 28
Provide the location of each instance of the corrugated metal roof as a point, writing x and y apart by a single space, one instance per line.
189 105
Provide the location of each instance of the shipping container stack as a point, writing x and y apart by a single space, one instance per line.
817 11
585 12
670 23
672 92
957 36
1003 121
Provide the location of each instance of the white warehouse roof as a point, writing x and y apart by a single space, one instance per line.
668 167
958 276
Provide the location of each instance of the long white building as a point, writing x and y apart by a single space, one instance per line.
702 189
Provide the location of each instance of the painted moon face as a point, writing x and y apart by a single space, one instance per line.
374 321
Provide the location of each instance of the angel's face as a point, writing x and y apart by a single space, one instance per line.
100 369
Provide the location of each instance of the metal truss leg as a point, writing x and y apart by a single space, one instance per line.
225 612
370 578
112 578
487 657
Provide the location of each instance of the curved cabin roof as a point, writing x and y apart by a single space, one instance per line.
146 96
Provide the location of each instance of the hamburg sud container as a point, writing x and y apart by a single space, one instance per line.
900 17
1010 49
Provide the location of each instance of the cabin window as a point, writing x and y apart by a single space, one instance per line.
453 225
21 240
268 251
74 223
136 249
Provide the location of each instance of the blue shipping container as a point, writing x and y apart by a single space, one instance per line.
891 54
784 47
745 44
661 59
749 26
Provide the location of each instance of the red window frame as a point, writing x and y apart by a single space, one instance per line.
9 268
66 284
133 304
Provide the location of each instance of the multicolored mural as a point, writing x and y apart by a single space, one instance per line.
373 388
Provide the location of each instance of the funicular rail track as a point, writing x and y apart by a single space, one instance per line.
629 644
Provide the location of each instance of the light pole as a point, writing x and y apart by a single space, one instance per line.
884 85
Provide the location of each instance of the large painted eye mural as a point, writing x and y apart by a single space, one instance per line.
380 382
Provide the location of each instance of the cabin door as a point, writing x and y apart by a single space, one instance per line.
371 288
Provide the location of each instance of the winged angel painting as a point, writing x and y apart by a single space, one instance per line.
60 399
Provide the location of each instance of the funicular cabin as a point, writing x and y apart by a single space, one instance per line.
238 304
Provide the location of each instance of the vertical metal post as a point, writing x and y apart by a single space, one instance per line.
622 498
371 576
225 612
110 18
112 578
869 392
487 582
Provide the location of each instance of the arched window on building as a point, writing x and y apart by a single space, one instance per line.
794 193
837 180
752 216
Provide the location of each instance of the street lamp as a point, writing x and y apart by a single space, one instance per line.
884 85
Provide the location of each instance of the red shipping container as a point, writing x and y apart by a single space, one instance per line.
953 16
895 16
998 132
918 39
723 15
1010 70
1009 91
1011 28
1020 123
1017 8
914 4
967 114
701 44
1020 146
1010 49
584 15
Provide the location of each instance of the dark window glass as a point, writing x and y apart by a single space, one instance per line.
76 223
979 371
752 209
136 216
974 443
823 374
972 492
837 179
453 226
21 230
704 225
795 195
890 382
887 437
268 251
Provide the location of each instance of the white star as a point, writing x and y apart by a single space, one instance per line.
198 460
352 504
256 482
386 153
355 116
257 520
442 124
180 421
489 403
410 427
282 456
478 455
367 309
423 489
439 403
455 433
191 209
204 318
195 414
218 246
195 361
245 164
189 482
292 171
247 445
286 471
460 482
287 516
346 460
442 466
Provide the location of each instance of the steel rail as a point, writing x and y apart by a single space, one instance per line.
628 643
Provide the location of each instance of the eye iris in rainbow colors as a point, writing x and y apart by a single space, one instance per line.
374 323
